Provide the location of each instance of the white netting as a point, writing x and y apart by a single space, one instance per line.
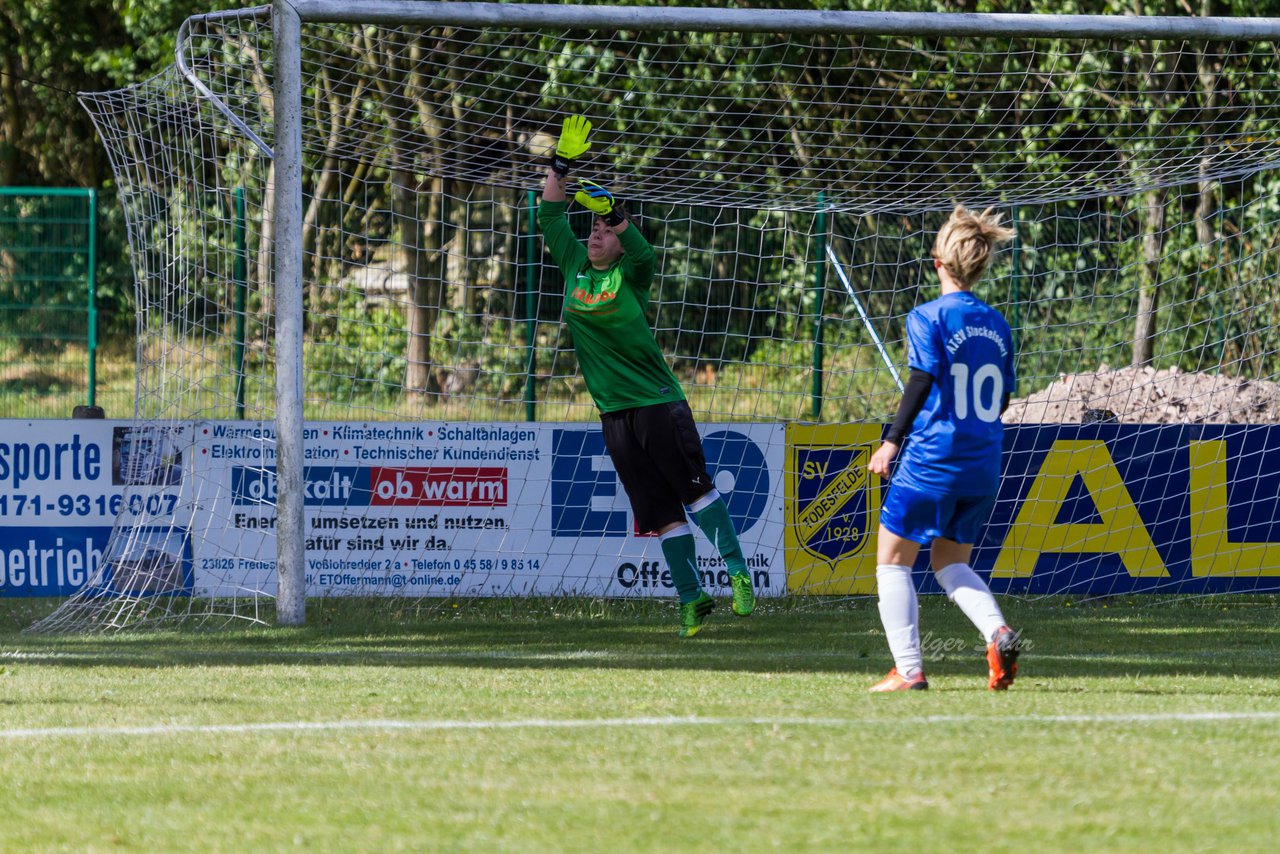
1138 174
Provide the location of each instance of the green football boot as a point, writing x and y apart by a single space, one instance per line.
744 598
694 614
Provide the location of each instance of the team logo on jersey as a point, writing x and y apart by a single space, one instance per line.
607 293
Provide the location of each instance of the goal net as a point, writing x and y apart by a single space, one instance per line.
791 171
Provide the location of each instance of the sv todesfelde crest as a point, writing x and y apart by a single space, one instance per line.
831 510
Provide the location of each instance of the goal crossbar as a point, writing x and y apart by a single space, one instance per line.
430 12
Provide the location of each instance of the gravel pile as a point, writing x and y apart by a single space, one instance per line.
1149 396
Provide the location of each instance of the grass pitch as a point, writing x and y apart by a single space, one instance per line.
580 726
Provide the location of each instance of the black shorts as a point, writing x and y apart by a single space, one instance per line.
658 456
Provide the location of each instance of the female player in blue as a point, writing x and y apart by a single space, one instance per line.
960 352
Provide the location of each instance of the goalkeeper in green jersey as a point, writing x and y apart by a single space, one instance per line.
648 427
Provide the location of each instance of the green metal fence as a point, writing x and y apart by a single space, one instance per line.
48 315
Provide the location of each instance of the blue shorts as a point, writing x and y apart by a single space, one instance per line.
922 517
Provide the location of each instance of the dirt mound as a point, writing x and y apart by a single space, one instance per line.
1147 396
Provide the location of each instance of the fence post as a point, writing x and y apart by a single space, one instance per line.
820 286
530 309
93 297
1015 250
241 275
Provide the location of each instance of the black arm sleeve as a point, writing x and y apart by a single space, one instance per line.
919 384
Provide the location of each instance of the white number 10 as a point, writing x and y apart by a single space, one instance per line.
964 391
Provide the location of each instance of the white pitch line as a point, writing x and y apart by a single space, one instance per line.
429 656
589 723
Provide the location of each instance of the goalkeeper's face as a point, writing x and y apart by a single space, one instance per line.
603 247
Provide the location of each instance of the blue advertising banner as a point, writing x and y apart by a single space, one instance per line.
49 561
1100 509
64 484
1123 508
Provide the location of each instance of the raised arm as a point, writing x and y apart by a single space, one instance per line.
568 253
553 189
573 143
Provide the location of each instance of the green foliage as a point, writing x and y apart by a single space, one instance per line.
363 357
735 284
52 49
729 279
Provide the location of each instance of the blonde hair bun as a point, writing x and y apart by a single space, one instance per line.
966 242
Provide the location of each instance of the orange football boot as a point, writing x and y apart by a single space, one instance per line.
895 681
1002 658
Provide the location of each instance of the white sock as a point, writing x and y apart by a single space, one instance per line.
704 502
966 589
900 615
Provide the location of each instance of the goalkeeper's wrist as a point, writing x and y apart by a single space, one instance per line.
561 165
614 218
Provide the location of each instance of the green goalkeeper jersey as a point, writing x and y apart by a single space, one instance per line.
605 312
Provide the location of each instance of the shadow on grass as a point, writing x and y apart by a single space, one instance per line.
1128 639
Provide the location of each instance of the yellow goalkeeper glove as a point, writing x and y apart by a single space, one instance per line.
600 202
572 144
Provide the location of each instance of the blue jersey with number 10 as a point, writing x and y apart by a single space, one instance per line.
955 441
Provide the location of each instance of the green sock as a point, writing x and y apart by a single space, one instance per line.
682 560
715 523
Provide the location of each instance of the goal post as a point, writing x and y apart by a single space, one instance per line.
387 152
287 207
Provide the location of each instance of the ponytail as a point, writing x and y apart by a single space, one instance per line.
967 241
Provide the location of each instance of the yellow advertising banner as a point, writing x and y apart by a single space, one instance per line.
832 508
